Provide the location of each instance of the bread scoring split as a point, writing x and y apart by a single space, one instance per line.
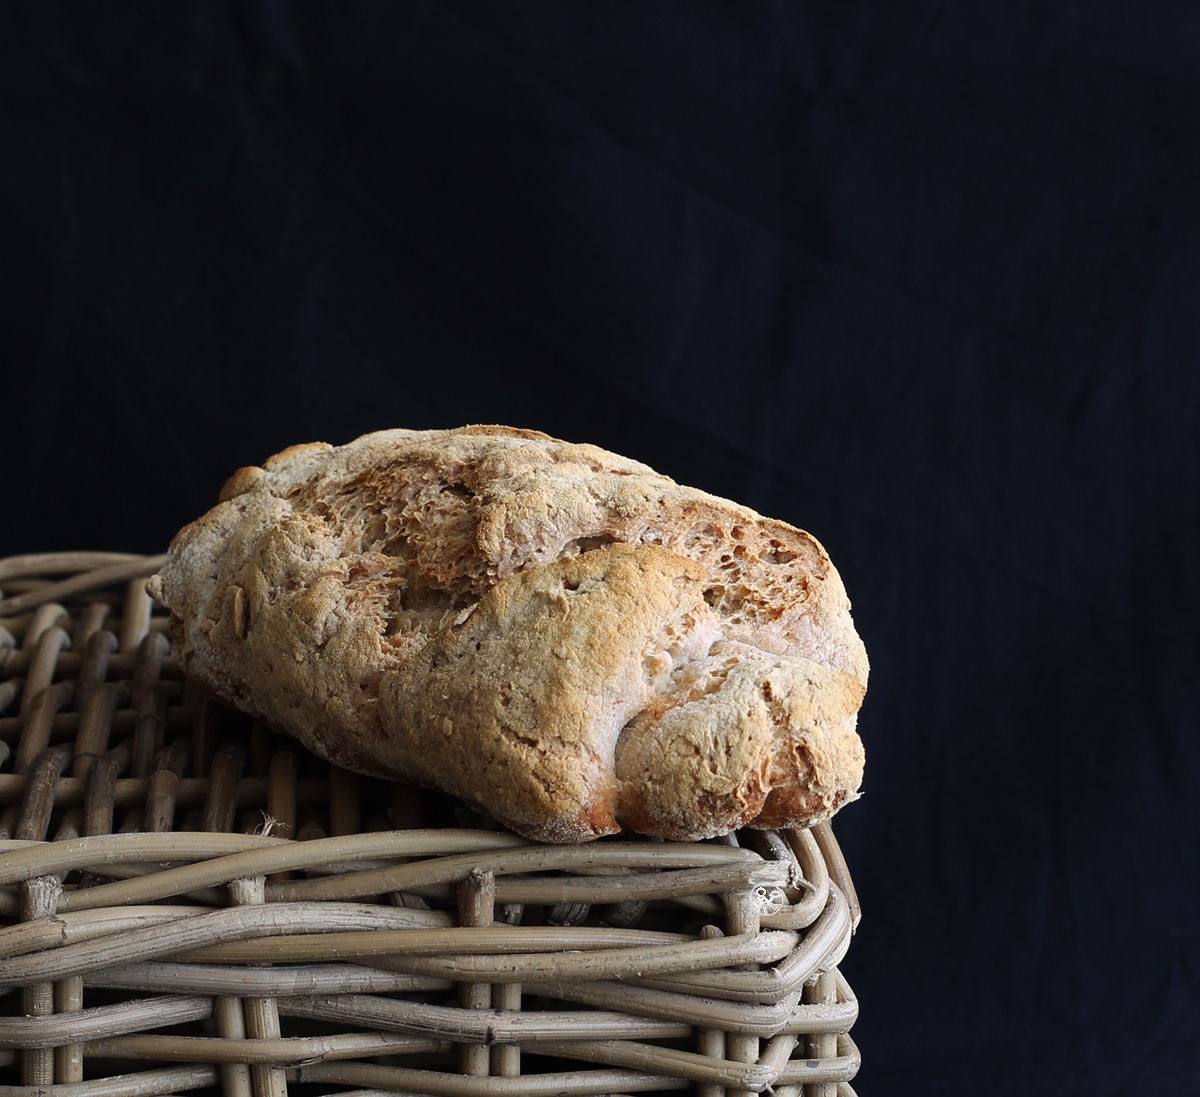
551 631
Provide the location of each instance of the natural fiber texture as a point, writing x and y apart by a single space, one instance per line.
290 922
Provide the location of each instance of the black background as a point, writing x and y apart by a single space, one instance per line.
920 278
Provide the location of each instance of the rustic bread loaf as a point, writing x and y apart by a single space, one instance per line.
553 632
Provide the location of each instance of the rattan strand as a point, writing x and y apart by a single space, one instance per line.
87 925
354 987
120 571
311 979
489 1026
278 1052
44 564
785 1015
95 715
404 950
577 1083
87 1024
325 942
232 856
151 1083
822 947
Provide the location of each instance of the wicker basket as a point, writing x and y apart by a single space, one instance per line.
217 909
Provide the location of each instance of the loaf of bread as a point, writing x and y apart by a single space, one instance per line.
552 632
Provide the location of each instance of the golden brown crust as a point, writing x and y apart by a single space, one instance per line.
503 614
241 482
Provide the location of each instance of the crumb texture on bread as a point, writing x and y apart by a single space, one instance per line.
553 632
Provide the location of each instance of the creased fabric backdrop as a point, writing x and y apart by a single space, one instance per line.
923 279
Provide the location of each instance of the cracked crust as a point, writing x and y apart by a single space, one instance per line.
558 634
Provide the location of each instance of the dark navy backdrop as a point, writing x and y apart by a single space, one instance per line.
922 278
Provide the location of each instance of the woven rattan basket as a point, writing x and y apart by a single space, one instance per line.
191 903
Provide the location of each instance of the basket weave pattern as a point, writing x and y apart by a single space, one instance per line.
190 903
